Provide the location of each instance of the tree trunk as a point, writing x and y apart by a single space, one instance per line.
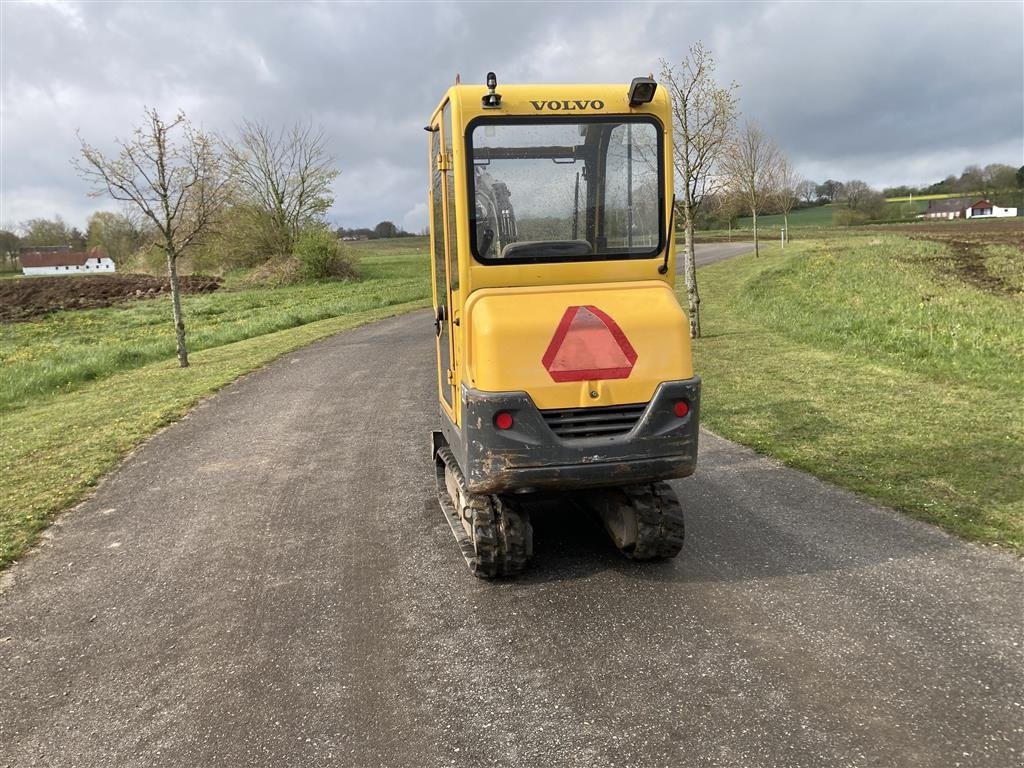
757 251
690 276
179 322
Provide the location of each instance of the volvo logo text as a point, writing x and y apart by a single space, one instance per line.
568 105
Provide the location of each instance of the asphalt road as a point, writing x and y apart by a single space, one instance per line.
709 253
270 583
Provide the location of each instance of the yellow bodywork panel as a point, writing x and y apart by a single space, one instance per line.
512 330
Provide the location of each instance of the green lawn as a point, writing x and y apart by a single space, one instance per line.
862 360
67 349
808 222
857 358
818 216
81 389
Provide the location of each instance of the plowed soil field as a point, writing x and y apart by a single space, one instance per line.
26 298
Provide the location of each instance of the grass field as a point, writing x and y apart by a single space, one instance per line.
819 217
942 196
805 222
875 361
81 389
68 349
870 363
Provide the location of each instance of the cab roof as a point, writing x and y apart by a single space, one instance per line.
553 100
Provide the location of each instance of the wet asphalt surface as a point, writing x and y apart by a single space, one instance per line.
270 582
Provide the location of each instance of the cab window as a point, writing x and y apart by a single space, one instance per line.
561 191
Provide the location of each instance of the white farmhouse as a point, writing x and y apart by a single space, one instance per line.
983 209
54 262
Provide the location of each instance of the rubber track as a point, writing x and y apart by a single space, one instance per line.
659 521
502 541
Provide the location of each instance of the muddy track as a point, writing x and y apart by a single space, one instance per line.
966 245
968 264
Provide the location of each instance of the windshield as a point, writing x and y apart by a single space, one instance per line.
562 191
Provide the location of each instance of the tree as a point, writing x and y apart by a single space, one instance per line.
751 163
119 234
901 191
998 177
855 192
786 183
830 190
807 191
53 231
284 179
948 184
1020 177
703 114
385 229
971 180
862 203
874 206
173 174
724 206
9 243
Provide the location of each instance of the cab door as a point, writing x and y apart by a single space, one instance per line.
442 243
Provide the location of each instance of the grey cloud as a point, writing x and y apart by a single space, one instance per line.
887 93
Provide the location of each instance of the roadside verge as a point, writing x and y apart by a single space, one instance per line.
56 449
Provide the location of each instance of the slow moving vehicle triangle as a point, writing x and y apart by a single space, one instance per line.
587 345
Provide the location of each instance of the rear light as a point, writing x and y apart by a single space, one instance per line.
681 408
503 420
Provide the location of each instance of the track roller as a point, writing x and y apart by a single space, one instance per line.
644 521
494 534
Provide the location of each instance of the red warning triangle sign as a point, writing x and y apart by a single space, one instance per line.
587 345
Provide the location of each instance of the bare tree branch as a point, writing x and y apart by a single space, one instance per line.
751 163
785 192
285 176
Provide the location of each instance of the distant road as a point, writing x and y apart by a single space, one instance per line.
709 253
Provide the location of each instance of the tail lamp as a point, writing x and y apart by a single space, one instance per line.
503 420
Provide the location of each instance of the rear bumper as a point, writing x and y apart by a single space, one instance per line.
658 446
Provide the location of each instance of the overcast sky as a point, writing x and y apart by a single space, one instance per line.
890 93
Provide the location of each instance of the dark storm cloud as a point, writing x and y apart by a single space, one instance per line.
888 93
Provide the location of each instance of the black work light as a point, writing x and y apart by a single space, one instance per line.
641 91
493 99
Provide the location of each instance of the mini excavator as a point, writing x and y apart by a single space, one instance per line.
563 356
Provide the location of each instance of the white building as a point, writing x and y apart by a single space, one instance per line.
962 208
948 208
53 262
983 209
